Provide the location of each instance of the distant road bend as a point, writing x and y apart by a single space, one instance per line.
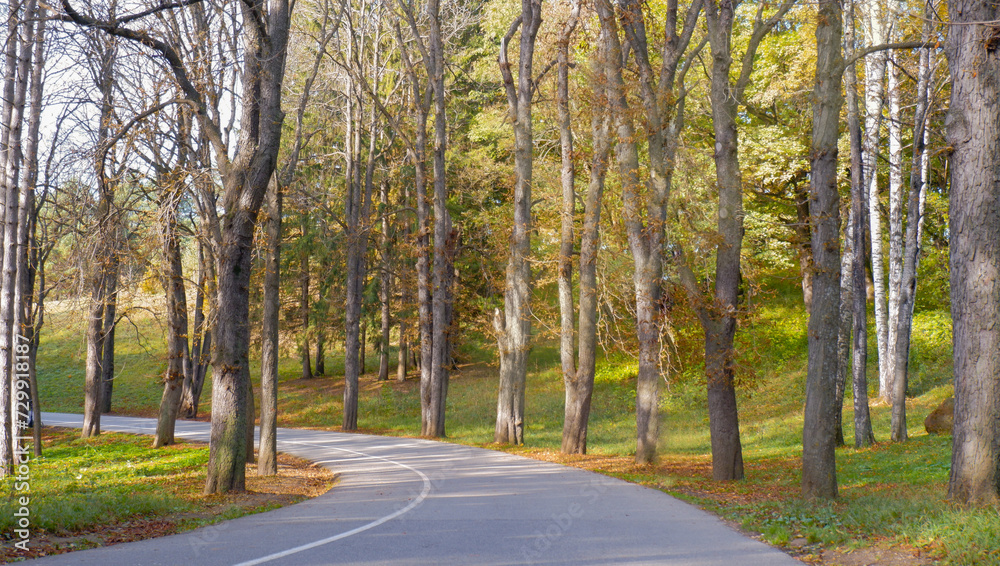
407 502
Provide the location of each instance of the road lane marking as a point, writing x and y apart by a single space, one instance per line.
420 498
318 444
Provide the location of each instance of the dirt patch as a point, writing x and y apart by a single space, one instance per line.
870 556
297 479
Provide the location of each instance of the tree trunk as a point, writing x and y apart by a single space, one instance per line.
911 258
26 319
877 34
202 342
352 305
438 354
12 126
93 387
231 363
320 352
385 284
646 230
422 97
727 455
267 462
304 313
6 124
424 292
819 478
108 346
844 329
895 219
974 227
857 364
514 329
578 379
177 321
403 354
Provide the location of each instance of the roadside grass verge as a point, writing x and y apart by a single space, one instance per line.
116 488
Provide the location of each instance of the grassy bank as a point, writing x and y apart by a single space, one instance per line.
892 498
116 488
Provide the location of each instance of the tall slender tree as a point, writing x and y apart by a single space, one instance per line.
819 478
718 315
514 326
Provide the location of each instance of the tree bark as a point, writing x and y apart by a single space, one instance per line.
727 454
20 39
202 341
911 257
320 351
304 312
424 292
863 435
974 228
514 328
108 345
246 184
819 478
385 286
28 320
646 237
578 353
267 462
844 329
877 34
358 215
103 264
177 319
895 274
441 301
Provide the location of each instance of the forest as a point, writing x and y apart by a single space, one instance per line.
435 184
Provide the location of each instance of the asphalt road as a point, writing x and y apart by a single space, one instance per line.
403 501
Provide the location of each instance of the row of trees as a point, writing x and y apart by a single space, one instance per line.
396 106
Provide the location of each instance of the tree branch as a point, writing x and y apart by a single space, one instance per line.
160 8
176 66
508 78
761 29
861 54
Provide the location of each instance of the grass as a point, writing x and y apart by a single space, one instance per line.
892 496
108 479
116 488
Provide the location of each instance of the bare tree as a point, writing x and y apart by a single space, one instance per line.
245 178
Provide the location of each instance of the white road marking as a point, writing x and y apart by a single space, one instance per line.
420 498
423 495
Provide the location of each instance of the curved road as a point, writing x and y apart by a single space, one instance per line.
402 501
